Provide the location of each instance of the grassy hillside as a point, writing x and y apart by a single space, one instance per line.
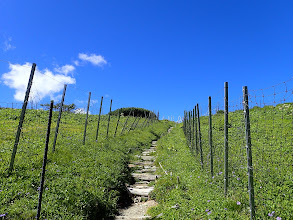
201 196
82 181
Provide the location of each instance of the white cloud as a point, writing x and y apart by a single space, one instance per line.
94 59
45 82
65 69
7 45
76 62
80 111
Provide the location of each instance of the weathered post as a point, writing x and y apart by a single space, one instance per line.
97 134
199 137
44 161
249 153
226 139
87 114
22 115
117 124
109 118
59 117
211 135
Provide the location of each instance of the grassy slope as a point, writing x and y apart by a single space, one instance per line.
82 182
201 197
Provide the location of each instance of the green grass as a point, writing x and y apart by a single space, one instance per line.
202 197
82 181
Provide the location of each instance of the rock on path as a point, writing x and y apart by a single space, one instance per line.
141 189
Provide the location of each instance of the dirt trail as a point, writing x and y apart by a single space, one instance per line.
145 177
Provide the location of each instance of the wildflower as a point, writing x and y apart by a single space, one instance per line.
270 214
198 177
3 215
238 203
225 208
220 173
213 177
209 200
279 218
207 210
209 213
238 178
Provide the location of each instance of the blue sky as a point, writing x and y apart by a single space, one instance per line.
159 55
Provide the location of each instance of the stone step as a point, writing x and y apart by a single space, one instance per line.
145 176
148 170
133 217
140 191
142 163
140 185
148 158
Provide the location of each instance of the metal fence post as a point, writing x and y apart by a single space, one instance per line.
109 118
59 117
196 134
226 178
249 153
22 115
87 113
199 138
97 134
117 123
193 134
44 161
211 135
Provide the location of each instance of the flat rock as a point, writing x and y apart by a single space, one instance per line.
142 163
134 165
145 176
148 158
145 191
147 170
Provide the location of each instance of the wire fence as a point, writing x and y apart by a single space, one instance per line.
90 122
271 137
